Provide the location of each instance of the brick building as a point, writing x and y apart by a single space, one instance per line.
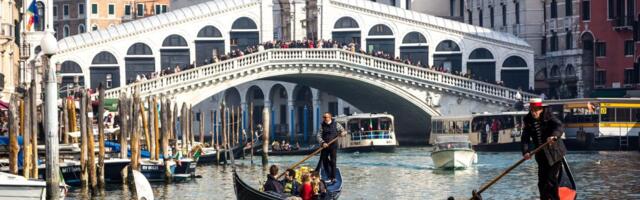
73 16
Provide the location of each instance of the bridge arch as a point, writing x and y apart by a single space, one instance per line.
415 48
104 69
209 44
244 33
303 109
139 61
448 55
175 52
482 65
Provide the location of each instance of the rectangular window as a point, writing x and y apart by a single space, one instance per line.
491 16
94 9
554 9
554 41
65 10
127 10
517 13
109 81
568 7
601 49
504 14
623 114
55 11
635 114
628 76
164 8
81 9
601 77
140 9
586 10
480 17
611 9
543 46
112 9
628 47
568 40
630 12
452 8
158 9
470 16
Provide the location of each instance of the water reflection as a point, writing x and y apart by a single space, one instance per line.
409 174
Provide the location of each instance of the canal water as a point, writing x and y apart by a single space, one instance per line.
409 174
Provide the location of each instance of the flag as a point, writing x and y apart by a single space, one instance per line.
370 124
34 17
566 184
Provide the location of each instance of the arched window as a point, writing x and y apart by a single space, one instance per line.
414 37
104 58
139 49
244 23
81 28
174 41
70 67
209 31
447 45
480 53
346 22
587 41
514 61
380 29
65 31
39 23
569 71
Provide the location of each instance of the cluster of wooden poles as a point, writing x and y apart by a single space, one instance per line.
23 121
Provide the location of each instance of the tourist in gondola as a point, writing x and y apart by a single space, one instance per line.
540 126
272 184
306 191
328 156
290 185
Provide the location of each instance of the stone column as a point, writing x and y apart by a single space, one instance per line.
316 115
291 108
299 15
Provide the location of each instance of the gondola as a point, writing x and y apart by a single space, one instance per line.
299 152
245 192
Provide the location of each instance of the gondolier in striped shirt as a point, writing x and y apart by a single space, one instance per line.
541 126
329 130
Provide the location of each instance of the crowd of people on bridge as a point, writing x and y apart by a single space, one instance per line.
305 43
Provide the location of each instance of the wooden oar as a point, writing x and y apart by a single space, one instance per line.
308 156
476 194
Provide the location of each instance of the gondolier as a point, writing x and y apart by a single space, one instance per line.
541 126
329 130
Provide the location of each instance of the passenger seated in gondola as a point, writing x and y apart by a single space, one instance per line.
275 146
319 187
306 191
272 184
290 184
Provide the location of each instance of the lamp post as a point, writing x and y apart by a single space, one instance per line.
49 46
25 53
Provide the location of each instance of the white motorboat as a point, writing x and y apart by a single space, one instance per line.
368 132
453 152
18 188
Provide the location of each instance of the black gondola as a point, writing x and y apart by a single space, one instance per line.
246 192
299 152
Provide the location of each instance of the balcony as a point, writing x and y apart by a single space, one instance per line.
552 24
6 32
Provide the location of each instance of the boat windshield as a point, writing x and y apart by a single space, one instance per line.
454 145
370 128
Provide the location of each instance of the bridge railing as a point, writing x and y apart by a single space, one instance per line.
192 76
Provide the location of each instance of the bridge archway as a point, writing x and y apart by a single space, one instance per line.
303 109
515 73
244 33
139 61
104 69
448 55
381 38
175 52
482 65
415 48
346 30
209 44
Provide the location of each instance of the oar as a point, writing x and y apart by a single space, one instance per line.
476 194
308 156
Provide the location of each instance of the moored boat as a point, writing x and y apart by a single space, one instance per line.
18 187
453 152
297 152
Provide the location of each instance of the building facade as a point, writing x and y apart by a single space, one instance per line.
73 17
9 49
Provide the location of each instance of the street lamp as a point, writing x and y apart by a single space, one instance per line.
49 46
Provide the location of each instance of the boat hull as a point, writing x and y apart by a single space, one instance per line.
22 192
245 192
453 158
374 148
300 152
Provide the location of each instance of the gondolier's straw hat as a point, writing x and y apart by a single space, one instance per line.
535 102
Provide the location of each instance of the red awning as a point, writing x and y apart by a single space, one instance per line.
4 105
